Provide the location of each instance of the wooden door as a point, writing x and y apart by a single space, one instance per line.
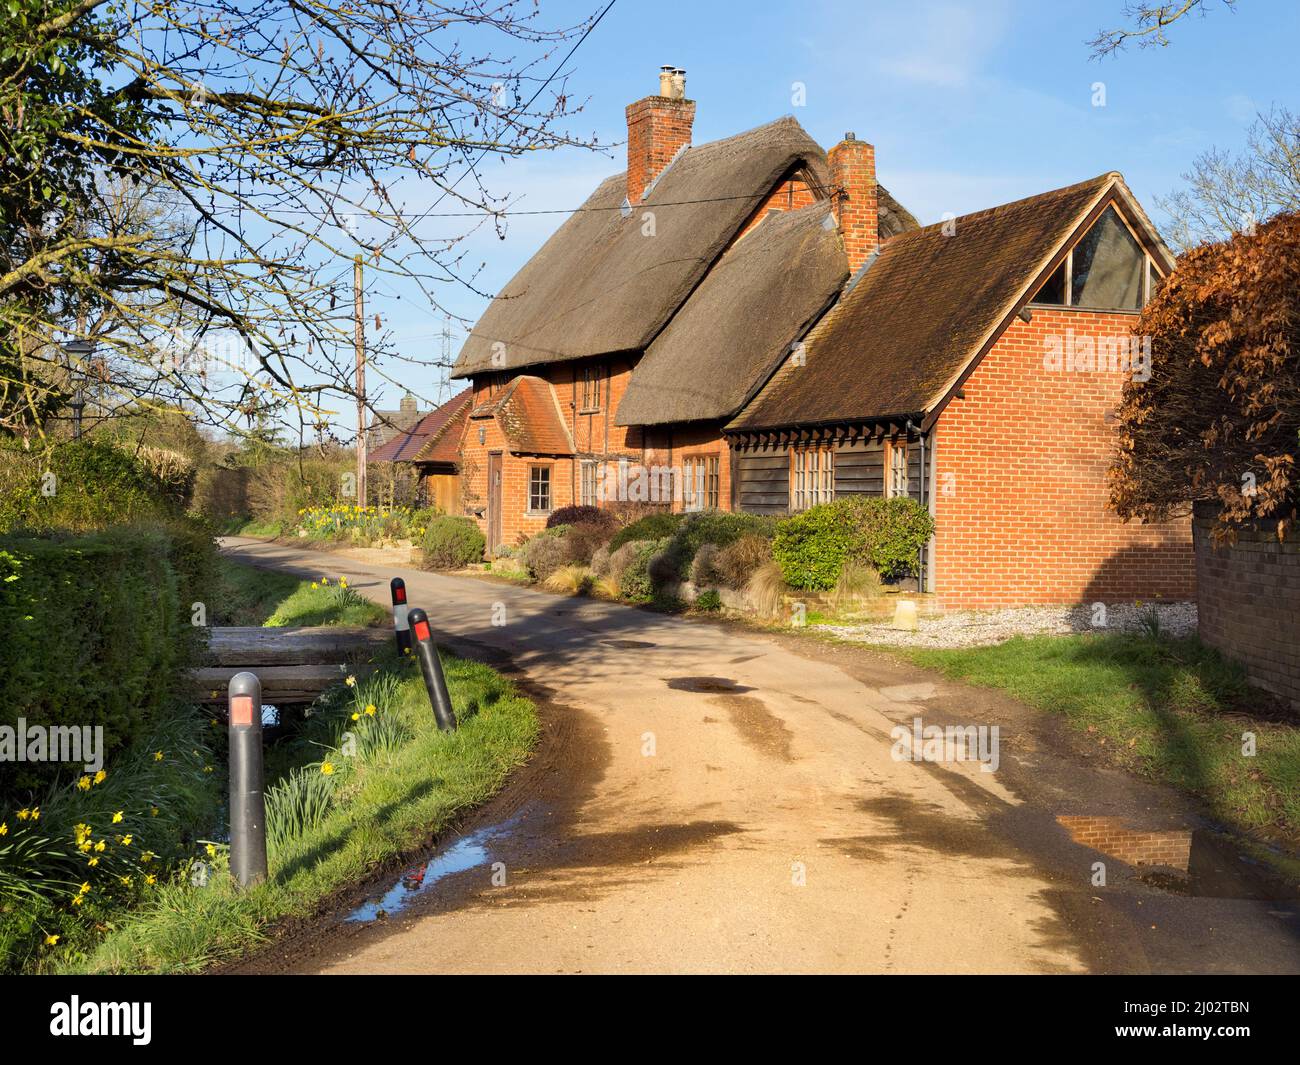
494 501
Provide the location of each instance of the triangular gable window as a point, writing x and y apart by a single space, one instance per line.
1106 270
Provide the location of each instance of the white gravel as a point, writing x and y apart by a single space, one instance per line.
980 628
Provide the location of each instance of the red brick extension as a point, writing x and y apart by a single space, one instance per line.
1020 482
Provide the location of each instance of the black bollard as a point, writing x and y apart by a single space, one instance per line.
431 667
401 623
247 803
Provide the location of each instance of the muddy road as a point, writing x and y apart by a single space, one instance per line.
708 799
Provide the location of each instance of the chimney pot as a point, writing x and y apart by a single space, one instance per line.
658 127
850 136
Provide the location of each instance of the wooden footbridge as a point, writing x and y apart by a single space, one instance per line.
294 663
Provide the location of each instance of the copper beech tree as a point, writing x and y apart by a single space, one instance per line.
267 144
1219 418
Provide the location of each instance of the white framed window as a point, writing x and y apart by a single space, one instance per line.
896 471
590 388
812 477
539 489
590 476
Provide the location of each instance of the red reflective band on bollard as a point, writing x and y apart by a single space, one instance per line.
241 710
422 631
399 594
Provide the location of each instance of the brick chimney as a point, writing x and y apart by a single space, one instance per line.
853 175
657 128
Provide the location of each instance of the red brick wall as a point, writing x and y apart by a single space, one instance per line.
1019 482
1248 598
789 195
657 127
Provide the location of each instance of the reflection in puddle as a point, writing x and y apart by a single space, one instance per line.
466 853
1182 861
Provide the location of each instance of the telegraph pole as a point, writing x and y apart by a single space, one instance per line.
359 339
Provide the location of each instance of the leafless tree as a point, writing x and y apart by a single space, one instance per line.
1148 25
1228 194
266 146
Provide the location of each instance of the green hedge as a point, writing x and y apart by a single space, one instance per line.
82 485
651 527
812 547
717 527
637 583
96 631
452 543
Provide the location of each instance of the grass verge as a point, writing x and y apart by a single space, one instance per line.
402 782
363 778
1172 710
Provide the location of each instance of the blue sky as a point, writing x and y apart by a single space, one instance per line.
969 103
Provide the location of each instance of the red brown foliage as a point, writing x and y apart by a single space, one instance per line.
1219 418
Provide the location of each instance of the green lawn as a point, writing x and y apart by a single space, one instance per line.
364 778
1172 710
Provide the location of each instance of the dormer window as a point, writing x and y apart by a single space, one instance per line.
1106 270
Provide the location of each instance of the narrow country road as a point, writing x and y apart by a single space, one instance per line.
714 800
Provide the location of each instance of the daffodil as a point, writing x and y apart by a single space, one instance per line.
157 756
84 888
212 850
4 828
36 813
370 710
100 777
83 784
153 811
327 768
92 862
117 817
100 847
24 814
151 879
356 716
351 681
51 941
77 900
126 840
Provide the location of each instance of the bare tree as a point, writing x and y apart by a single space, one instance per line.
1149 23
290 136
1228 194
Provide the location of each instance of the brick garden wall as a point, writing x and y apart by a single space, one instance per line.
1019 479
1248 599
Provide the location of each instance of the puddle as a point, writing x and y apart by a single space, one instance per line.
630 645
709 685
466 853
1190 862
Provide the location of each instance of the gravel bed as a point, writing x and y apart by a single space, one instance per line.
980 628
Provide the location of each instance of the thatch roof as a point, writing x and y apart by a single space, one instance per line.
600 286
406 444
736 327
529 416
907 327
